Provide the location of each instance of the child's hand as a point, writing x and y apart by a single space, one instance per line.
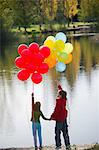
32 94
57 82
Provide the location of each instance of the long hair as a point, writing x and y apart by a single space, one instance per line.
37 106
63 94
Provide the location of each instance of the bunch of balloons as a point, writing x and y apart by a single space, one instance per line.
61 51
31 62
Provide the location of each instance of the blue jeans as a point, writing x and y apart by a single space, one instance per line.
36 127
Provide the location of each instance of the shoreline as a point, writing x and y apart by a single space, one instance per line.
73 147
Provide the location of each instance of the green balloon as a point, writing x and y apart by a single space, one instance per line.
62 56
59 45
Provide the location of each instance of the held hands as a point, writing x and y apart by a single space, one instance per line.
31 119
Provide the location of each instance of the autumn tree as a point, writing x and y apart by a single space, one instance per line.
70 9
49 9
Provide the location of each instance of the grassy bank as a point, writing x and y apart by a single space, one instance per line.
55 27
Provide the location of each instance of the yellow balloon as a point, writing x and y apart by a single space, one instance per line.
69 59
51 38
49 43
51 61
68 48
59 45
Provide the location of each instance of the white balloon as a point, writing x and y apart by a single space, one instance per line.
61 36
60 67
51 38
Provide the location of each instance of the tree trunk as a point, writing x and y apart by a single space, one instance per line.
68 22
19 28
25 29
51 27
72 20
40 27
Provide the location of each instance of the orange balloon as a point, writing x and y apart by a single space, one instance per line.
54 54
51 61
69 59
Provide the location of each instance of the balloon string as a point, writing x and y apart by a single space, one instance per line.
33 88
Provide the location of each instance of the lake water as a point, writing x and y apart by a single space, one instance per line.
80 80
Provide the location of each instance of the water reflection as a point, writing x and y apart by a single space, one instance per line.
80 80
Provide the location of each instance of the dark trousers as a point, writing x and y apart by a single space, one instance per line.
61 126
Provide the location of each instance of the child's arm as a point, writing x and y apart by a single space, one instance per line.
32 113
44 117
56 111
59 87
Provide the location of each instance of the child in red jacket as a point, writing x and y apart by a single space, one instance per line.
60 116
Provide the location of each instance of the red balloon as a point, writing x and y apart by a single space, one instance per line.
45 51
31 68
43 68
27 55
23 75
34 47
36 78
37 59
21 48
20 62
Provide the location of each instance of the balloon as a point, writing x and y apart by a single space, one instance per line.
43 68
51 38
51 61
34 47
32 61
49 43
69 59
36 78
54 54
27 55
62 56
21 48
31 68
20 62
61 36
37 59
23 75
59 45
45 51
60 67
68 48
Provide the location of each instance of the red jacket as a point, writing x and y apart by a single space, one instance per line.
60 112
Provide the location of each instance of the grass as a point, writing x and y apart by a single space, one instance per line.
46 27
